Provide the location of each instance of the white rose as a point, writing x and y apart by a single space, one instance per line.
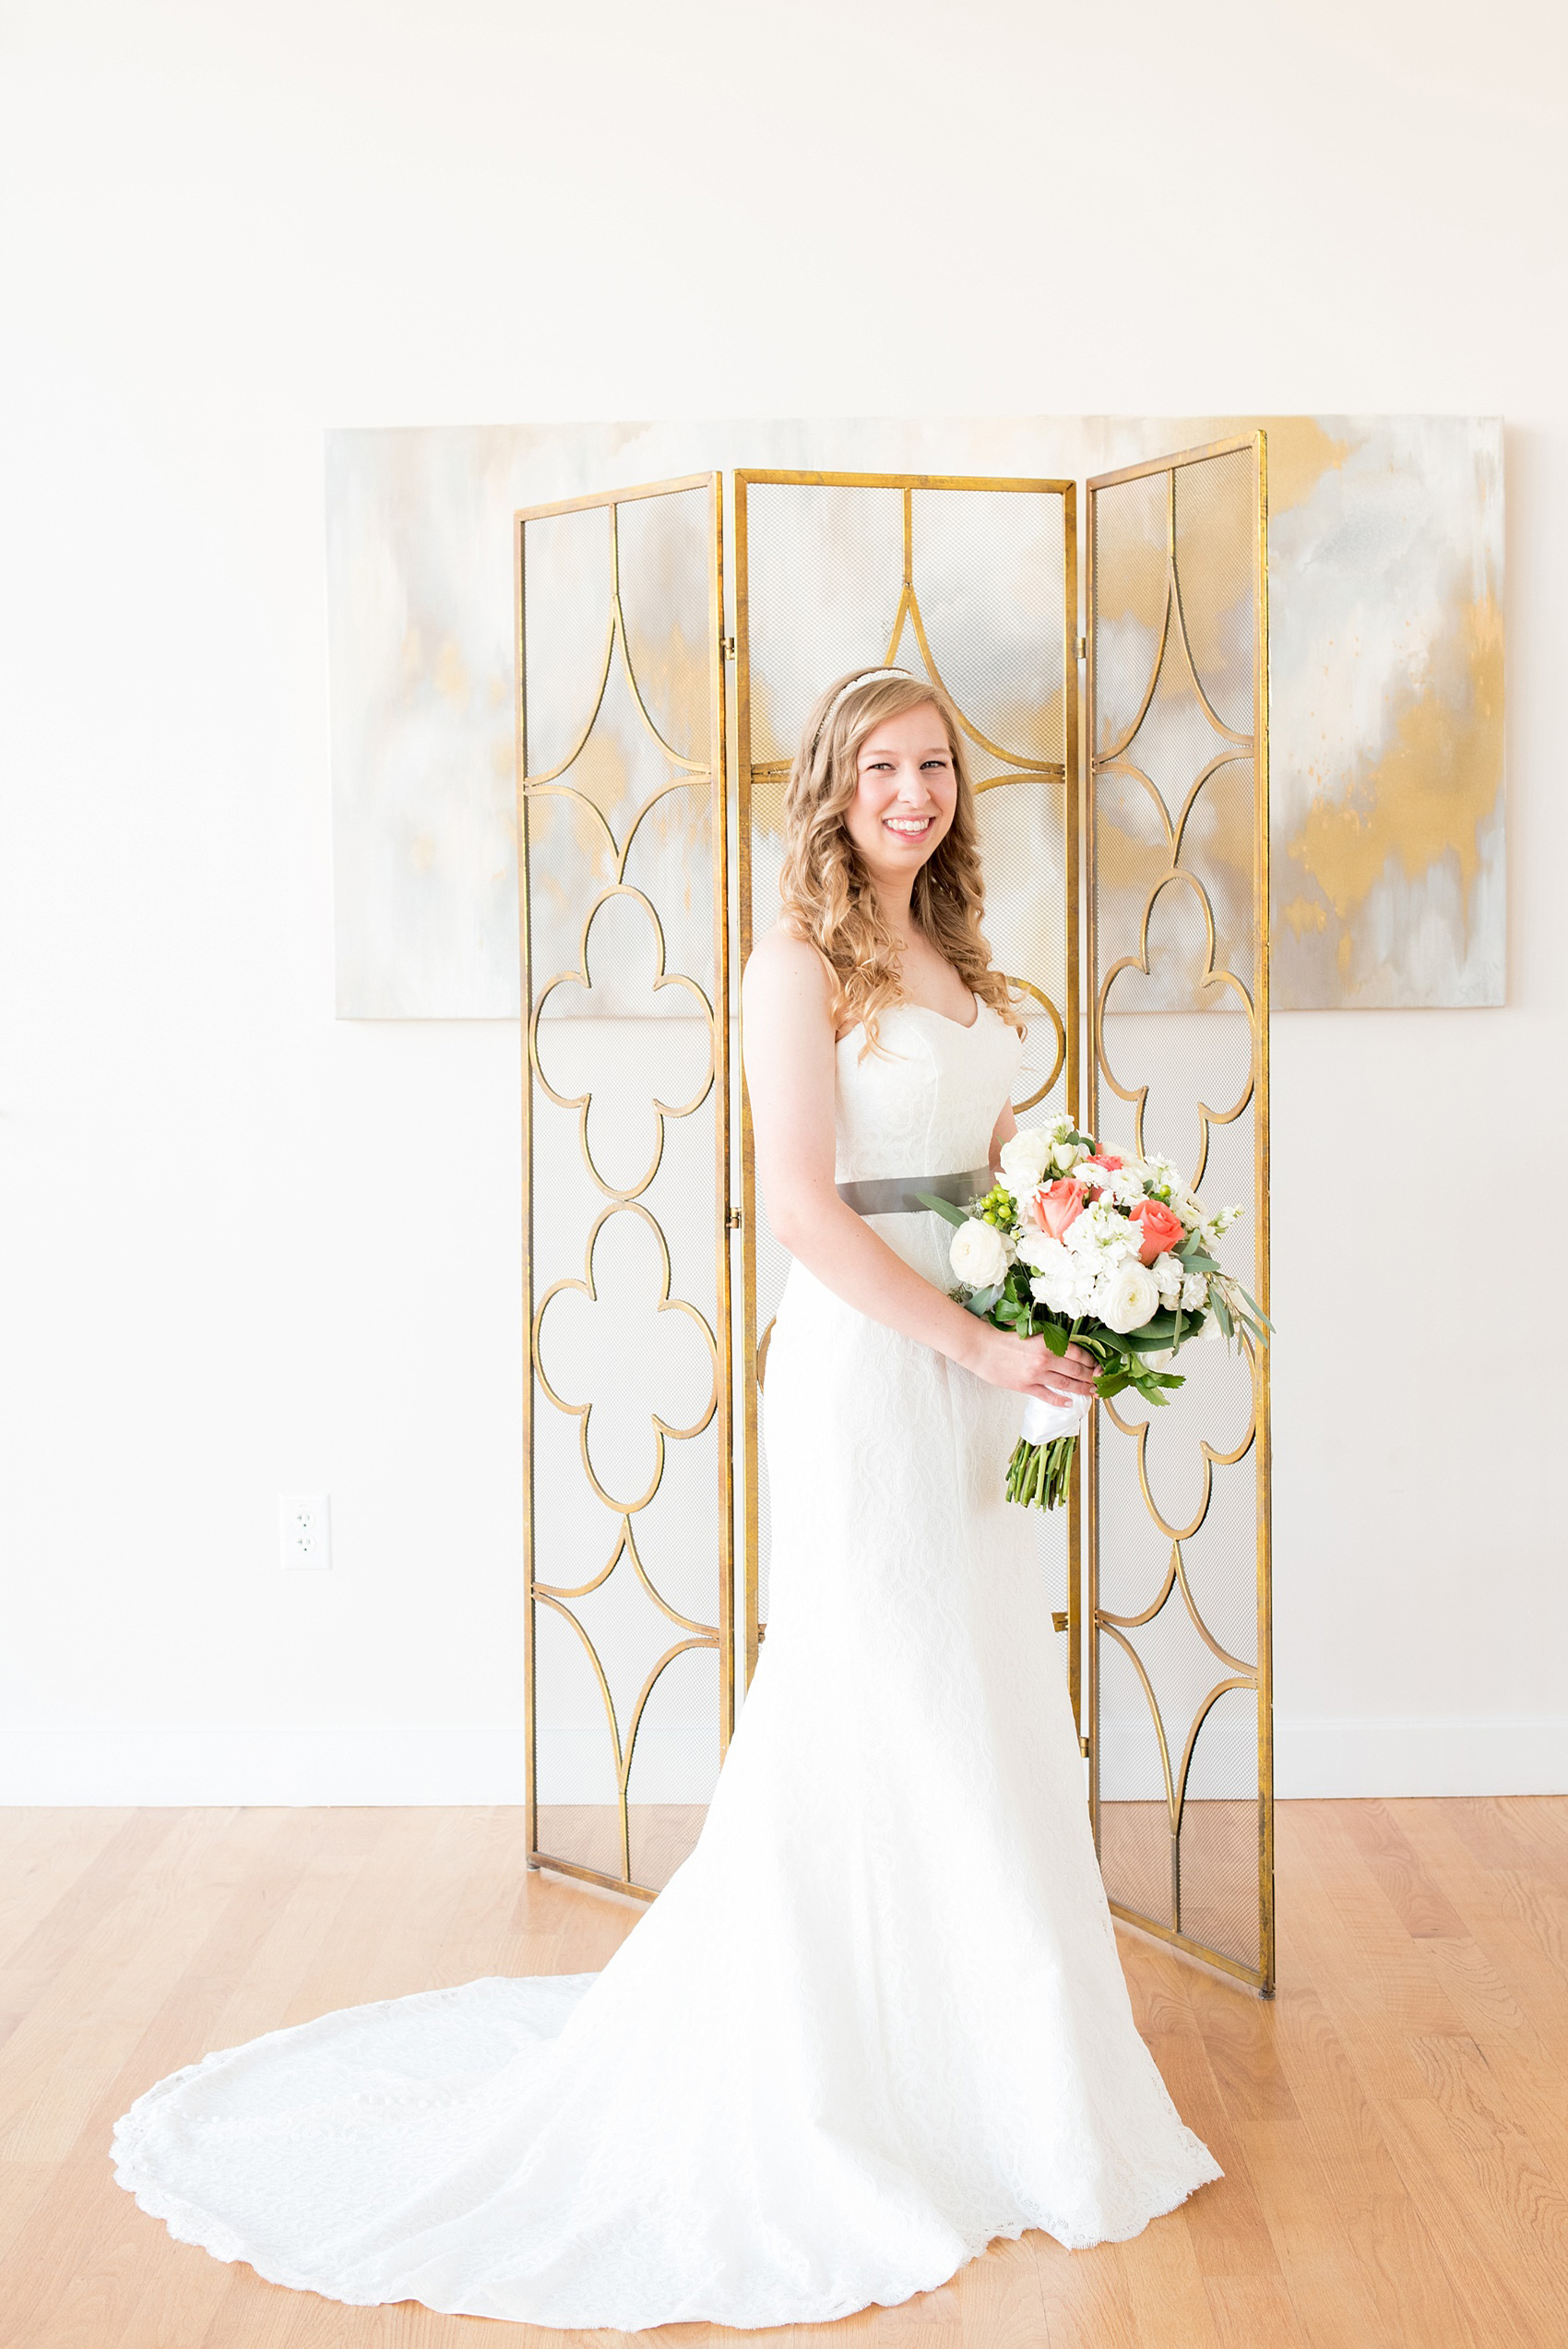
1066 1154
1024 1160
979 1253
1128 1298
1169 1275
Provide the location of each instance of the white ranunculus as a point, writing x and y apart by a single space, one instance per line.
1024 1160
1129 1297
1169 1275
979 1253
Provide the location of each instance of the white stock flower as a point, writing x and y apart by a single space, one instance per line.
1127 1297
1123 1188
1102 1236
1058 1276
1169 1275
1024 1160
1194 1293
979 1253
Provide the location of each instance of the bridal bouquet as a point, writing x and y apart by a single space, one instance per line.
1079 1246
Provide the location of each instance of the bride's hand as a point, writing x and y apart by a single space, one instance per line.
1028 1366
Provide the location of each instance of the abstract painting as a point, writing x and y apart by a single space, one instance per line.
1385 588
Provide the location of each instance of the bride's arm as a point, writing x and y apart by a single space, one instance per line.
790 1056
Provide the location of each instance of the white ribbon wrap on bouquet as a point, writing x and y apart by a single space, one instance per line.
1043 1423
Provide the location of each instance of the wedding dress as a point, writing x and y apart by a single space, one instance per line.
876 2020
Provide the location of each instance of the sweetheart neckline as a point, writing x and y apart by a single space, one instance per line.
964 1028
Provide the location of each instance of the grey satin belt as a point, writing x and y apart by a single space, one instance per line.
899 1194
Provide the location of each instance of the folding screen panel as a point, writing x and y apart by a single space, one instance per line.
1177 854
972 583
623 877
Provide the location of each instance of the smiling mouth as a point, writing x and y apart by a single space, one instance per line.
909 828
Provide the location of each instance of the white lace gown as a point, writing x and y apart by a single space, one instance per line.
876 2019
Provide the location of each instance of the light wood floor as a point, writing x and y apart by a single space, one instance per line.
1393 2128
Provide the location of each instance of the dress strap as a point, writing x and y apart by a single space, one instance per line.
900 1194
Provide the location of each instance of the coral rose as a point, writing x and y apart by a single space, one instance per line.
1162 1231
1056 1205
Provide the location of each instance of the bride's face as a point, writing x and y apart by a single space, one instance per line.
904 794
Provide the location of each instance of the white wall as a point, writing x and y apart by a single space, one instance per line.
248 1249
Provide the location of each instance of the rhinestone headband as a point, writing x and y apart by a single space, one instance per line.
866 677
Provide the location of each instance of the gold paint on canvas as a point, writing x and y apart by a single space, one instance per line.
1427 795
1299 453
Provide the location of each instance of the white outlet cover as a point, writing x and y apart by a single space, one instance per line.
304 1532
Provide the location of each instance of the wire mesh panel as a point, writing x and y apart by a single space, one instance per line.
1176 835
972 583
623 877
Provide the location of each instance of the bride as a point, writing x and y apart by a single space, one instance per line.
877 2018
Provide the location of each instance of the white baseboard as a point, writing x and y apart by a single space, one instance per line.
1421 1754
1425 1754
130 1767
1357 1756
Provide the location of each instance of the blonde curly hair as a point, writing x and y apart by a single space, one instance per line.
828 894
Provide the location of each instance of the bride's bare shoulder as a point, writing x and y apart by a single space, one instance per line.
786 974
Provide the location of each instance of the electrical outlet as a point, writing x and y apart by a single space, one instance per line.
304 1531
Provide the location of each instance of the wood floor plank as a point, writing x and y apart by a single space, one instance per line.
1394 2126
1000 2302
41 1863
1394 2254
1085 2296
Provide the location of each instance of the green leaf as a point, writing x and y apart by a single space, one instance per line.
1054 1335
944 1207
1222 1315
981 1302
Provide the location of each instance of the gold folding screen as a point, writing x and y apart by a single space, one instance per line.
974 583
627 1454
1177 839
636 1448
